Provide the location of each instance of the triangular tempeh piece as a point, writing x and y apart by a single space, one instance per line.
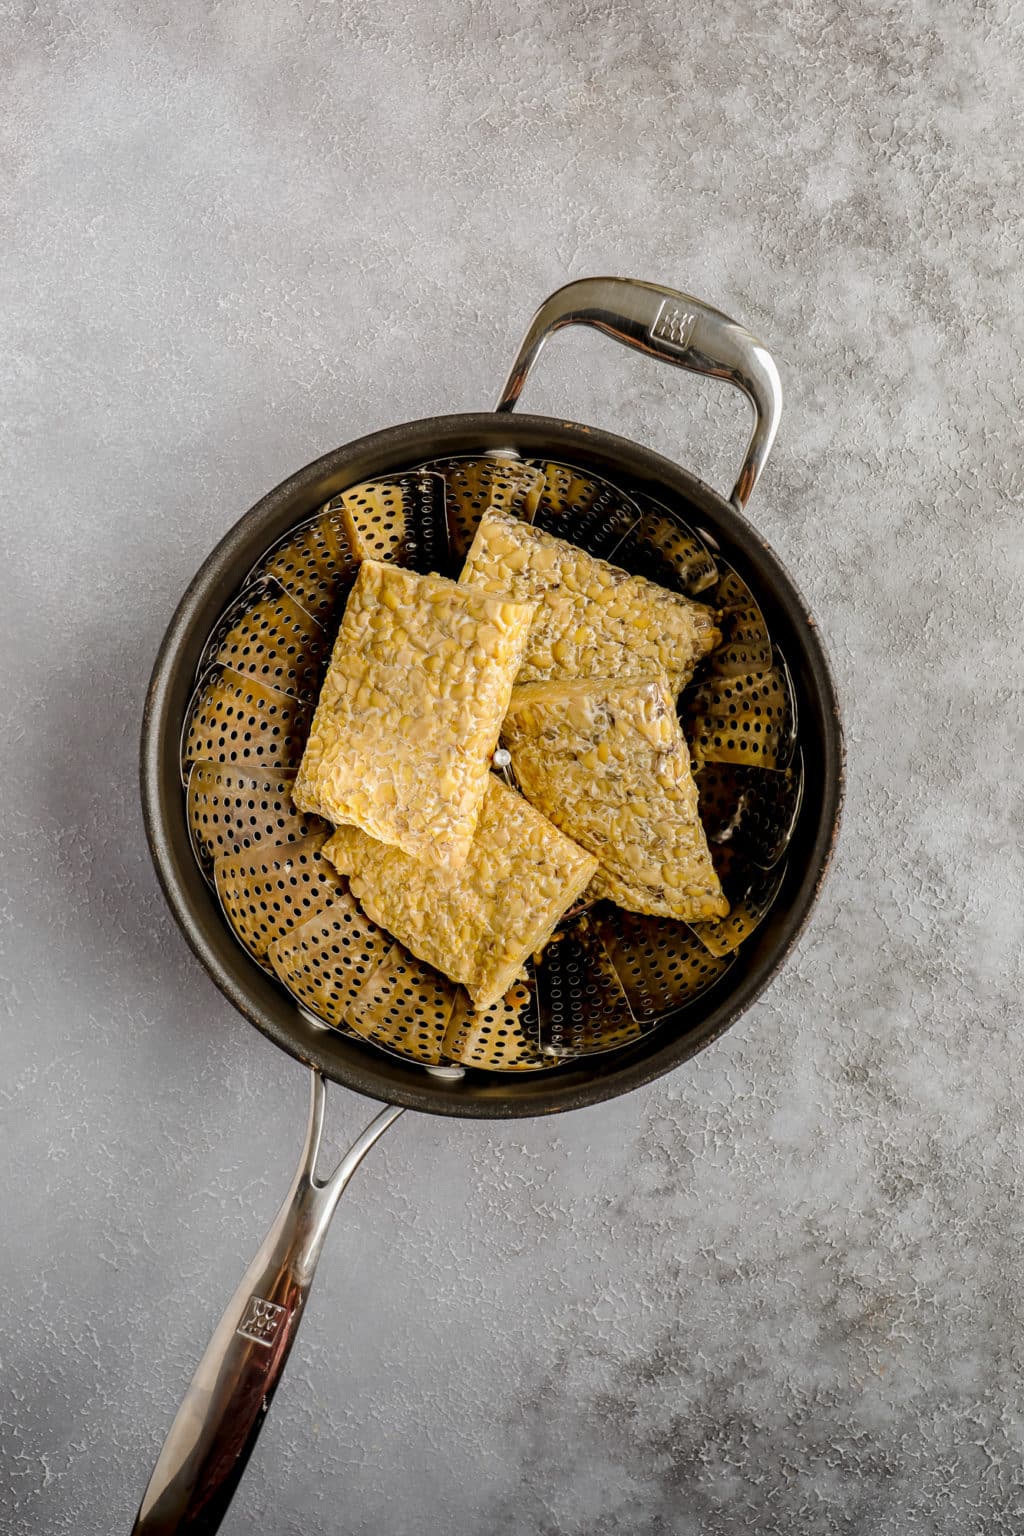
607 762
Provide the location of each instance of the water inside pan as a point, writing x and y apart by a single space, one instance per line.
608 977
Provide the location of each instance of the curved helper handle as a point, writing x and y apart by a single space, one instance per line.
676 328
216 1426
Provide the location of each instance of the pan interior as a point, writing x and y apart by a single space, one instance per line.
609 978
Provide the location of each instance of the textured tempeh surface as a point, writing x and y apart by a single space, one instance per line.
477 924
411 707
593 619
608 763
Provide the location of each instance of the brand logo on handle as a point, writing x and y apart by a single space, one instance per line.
262 1321
674 325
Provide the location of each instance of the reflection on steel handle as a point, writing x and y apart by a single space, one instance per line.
676 328
216 1427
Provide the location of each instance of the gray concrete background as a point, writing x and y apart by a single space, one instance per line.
779 1291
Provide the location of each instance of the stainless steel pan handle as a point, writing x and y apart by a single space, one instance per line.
216 1426
676 328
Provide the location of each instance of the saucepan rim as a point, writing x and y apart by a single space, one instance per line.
259 998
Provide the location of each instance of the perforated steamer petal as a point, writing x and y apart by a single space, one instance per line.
213 1434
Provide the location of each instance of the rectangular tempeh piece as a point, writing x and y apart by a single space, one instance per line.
410 710
593 619
608 763
478 924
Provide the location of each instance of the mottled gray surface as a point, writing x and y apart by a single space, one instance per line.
779 1291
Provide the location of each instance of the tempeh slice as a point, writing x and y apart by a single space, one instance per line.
608 763
410 710
593 619
480 923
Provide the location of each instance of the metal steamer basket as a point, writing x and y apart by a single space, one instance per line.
614 1000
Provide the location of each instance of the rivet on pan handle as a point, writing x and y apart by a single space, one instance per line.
676 328
223 1410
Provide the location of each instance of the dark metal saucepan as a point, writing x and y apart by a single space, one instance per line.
216 1427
